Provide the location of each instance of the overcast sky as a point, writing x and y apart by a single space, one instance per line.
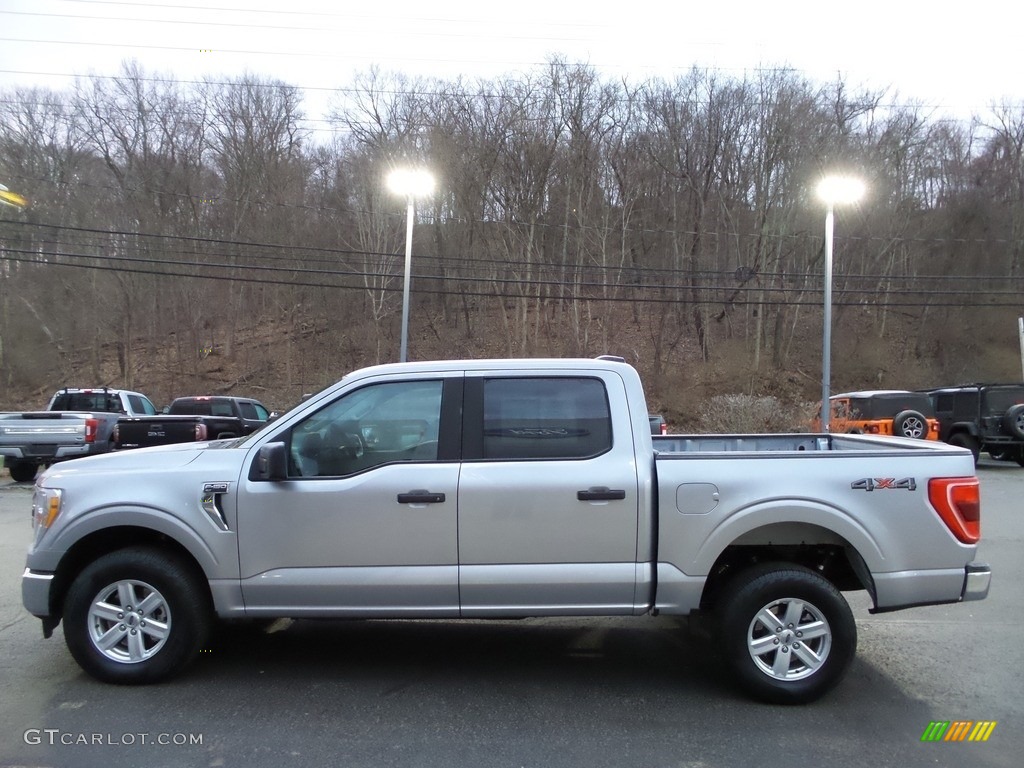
958 57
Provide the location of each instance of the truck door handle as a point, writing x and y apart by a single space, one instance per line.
600 493
420 497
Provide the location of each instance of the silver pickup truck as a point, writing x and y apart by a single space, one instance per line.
506 488
76 422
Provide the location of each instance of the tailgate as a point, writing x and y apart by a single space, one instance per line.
40 434
146 431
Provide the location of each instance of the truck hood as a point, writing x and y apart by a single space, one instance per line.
161 457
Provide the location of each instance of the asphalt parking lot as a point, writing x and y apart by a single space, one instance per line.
553 692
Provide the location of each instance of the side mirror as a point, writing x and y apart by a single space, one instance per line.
271 463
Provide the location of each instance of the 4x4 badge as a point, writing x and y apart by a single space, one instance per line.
884 483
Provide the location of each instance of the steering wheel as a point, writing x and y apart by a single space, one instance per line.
355 441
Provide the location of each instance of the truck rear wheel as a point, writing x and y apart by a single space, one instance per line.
789 635
963 440
23 471
136 616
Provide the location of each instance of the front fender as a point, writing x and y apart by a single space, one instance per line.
213 549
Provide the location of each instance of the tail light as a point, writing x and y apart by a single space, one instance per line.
200 432
664 427
958 502
92 427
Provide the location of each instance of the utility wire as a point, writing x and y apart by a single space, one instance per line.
683 293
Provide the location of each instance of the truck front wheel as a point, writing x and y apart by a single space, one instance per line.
789 635
136 616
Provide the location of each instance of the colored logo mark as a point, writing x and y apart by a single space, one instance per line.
958 730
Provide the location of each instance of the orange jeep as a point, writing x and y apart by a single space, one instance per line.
883 412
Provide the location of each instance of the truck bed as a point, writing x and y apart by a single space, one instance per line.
872 495
666 445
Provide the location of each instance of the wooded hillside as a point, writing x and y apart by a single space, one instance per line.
186 237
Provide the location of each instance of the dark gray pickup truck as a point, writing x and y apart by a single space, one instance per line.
191 419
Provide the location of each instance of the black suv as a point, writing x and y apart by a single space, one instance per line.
982 417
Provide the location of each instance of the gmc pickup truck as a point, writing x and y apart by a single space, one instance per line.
497 489
76 422
191 419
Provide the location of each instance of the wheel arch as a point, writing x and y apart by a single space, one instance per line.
963 428
817 547
98 543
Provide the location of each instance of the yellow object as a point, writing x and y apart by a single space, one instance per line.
12 198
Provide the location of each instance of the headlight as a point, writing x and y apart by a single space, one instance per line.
45 506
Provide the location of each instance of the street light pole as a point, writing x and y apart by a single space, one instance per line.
411 184
826 334
410 215
832 189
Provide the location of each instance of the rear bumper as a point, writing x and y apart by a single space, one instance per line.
45 454
977 578
908 589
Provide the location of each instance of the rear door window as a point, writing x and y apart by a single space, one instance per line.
545 418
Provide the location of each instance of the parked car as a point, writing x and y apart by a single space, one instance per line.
501 489
982 417
895 412
189 419
76 422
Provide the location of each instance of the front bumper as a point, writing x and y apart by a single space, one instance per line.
35 592
977 578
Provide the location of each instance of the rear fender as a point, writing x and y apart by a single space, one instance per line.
787 522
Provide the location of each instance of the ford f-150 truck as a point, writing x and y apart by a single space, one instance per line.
496 489
189 419
76 422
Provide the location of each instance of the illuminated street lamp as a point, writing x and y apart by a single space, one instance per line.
832 189
411 184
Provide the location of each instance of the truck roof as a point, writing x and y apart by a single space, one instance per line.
498 364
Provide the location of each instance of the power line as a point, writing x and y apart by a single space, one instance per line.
812 237
591 274
684 293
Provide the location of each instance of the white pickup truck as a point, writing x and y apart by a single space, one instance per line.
506 488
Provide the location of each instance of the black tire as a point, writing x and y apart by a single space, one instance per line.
910 424
780 664
23 471
1013 420
963 440
159 637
